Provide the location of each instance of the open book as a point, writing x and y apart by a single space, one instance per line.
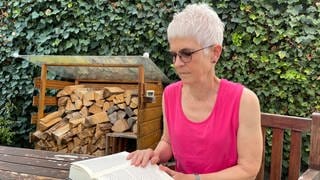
114 167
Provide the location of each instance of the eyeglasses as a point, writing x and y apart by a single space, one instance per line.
185 55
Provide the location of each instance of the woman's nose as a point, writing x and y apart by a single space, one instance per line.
178 61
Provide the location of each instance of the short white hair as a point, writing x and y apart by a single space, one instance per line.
199 21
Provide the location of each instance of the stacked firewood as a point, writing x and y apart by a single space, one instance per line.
83 118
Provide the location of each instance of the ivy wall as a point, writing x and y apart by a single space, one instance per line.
272 47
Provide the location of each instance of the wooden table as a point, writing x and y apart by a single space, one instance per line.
22 163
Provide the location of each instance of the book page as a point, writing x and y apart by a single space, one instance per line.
102 164
114 167
151 172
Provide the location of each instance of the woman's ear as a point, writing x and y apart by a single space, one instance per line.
217 49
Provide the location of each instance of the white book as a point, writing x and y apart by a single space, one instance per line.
114 167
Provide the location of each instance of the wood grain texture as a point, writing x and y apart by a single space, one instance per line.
295 155
314 158
276 154
53 84
285 122
21 163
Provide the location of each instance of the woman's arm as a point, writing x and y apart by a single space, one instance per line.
162 153
164 146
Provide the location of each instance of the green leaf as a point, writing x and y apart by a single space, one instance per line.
34 15
282 54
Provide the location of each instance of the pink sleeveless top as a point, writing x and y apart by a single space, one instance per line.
210 145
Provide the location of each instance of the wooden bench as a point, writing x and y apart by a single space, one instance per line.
297 126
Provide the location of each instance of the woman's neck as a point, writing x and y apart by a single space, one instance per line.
203 90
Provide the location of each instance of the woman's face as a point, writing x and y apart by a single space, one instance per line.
198 65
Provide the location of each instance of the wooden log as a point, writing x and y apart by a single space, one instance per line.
122 105
66 91
41 145
48 144
76 130
106 106
61 146
78 104
128 94
76 121
136 112
84 111
62 101
52 143
113 117
120 125
131 121
121 114
100 102
134 102
99 95
112 109
80 92
105 126
76 141
67 137
88 98
98 131
101 143
76 150
92 148
97 118
85 141
135 128
99 153
70 89
74 97
118 99
51 116
114 90
94 109
110 98
128 111
56 126
70 146
73 115
88 132
45 126
64 150
58 133
39 135
84 149
70 106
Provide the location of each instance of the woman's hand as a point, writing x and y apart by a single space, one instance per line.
176 175
142 157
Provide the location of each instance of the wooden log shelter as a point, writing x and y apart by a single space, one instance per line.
97 116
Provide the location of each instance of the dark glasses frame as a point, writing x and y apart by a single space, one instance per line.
185 55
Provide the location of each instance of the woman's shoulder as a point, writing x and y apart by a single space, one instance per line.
249 96
231 84
245 93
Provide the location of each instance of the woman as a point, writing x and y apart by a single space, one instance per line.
211 125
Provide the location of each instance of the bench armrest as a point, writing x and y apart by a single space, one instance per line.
310 174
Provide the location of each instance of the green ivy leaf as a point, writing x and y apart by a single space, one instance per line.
282 54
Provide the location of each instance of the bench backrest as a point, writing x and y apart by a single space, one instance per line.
297 126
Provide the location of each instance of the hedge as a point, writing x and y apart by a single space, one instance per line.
272 47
